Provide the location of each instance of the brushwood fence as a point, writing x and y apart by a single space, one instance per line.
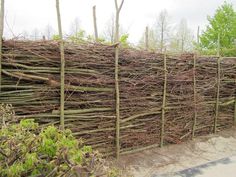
163 98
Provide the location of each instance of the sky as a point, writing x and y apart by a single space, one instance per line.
28 15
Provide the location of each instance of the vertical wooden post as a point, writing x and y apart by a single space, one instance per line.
95 24
198 39
194 97
118 9
1 39
235 110
147 38
218 45
62 91
217 95
198 35
218 85
163 103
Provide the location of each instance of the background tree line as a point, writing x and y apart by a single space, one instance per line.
162 34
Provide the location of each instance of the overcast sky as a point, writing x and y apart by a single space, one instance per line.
27 15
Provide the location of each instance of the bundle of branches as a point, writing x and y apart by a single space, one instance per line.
31 83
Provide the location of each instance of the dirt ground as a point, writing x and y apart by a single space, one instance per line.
174 158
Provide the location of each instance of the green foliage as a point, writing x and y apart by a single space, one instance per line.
56 37
223 52
124 40
224 24
51 152
79 37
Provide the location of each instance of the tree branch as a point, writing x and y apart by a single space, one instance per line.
116 4
121 5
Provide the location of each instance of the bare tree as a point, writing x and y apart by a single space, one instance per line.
75 26
184 36
117 37
62 92
147 38
49 32
25 34
95 23
1 38
163 29
198 35
35 34
152 40
109 30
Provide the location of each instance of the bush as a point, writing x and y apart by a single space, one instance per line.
223 52
27 151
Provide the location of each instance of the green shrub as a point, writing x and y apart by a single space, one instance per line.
27 151
223 52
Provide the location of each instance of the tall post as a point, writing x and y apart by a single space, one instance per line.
118 9
1 39
198 35
217 95
95 24
194 97
218 45
198 39
218 85
235 110
163 103
147 38
62 91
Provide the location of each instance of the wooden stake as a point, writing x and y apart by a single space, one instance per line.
118 9
217 95
218 45
235 111
194 97
62 91
218 85
163 104
147 38
1 39
198 35
198 39
95 24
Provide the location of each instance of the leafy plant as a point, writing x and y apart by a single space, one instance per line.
27 151
124 40
224 24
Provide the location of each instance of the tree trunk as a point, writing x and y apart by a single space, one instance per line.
162 36
198 35
62 92
95 24
118 9
1 38
218 45
182 44
147 38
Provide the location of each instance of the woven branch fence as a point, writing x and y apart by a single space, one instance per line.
164 99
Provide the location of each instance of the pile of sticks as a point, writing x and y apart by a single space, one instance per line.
31 83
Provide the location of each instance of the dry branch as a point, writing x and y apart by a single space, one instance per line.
31 83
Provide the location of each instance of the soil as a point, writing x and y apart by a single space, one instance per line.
173 158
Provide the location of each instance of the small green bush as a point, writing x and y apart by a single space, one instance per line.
27 151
